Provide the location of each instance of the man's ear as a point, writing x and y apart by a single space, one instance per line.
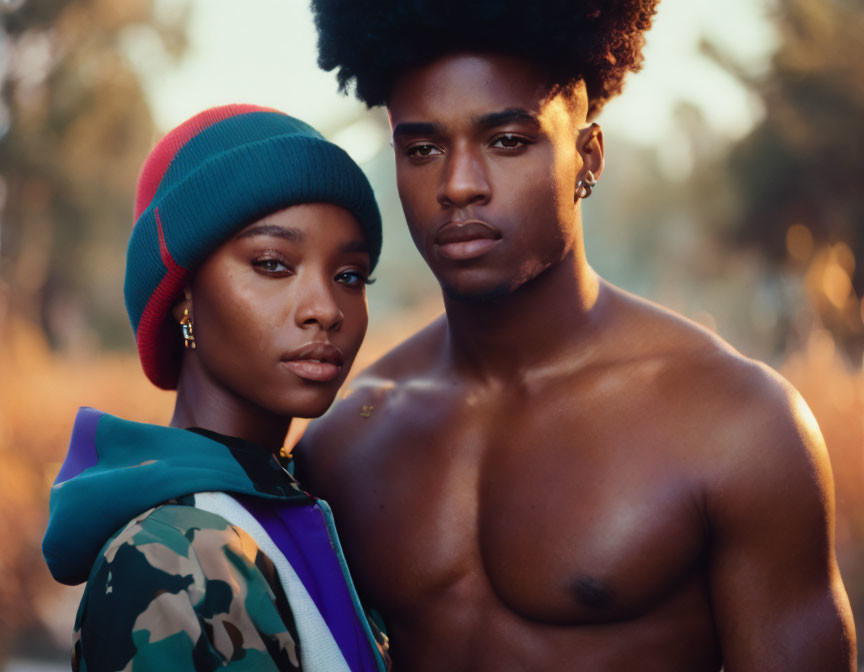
183 304
589 144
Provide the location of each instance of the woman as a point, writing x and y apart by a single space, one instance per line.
245 285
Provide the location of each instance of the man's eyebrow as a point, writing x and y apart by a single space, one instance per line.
415 128
294 235
512 115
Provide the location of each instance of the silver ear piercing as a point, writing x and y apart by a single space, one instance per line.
584 186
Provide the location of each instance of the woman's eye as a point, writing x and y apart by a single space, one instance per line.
423 151
509 141
270 266
351 278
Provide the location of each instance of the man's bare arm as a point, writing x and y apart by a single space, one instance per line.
776 592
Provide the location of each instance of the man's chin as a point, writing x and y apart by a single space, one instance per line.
477 293
491 285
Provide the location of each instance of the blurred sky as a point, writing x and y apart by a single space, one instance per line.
263 52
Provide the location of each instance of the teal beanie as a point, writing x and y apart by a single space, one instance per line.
208 178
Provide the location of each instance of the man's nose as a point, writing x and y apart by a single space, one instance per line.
465 181
317 306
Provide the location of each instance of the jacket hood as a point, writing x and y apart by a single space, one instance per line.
116 469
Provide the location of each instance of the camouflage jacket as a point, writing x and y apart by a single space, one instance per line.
179 585
231 566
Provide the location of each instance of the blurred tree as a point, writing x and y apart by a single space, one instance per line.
796 183
75 126
798 175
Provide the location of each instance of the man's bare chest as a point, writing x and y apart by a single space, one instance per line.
561 518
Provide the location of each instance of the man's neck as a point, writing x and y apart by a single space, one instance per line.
536 329
201 402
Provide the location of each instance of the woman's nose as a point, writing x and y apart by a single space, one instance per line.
318 307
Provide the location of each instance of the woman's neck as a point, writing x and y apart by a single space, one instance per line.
203 402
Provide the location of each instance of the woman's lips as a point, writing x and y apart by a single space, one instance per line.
460 241
316 361
309 369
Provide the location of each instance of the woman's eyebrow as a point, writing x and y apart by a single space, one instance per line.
294 235
355 246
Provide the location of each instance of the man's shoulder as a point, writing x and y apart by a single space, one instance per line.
688 353
412 358
652 330
740 405
410 367
767 437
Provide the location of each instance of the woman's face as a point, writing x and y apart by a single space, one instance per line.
279 310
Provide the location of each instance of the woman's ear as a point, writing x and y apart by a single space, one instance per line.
182 305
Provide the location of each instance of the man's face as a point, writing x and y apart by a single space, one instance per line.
486 166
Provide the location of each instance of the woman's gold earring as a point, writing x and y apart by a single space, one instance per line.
186 328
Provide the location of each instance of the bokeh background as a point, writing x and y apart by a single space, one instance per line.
734 193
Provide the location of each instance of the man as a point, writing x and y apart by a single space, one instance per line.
557 475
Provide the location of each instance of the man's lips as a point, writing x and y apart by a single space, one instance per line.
316 361
466 240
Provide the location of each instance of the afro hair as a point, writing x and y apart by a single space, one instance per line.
371 42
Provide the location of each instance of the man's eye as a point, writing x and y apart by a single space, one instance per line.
270 266
509 141
351 278
423 151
